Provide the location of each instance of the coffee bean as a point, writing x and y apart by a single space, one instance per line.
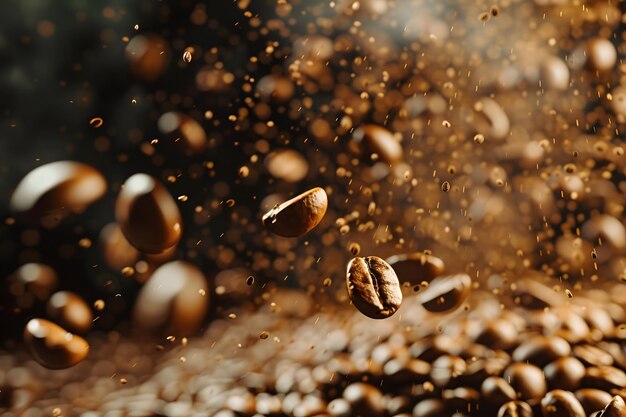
376 140
560 403
604 377
592 356
461 399
430 408
299 215
32 282
534 295
565 373
498 334
373 287
364 399
541 350
527 380
615 408
51 191
497 391
175 300
70 311
286 165
399 372
447 368
445 293
515 409
52 346
601 54
416 267
116 250
592 399
148 55
148 215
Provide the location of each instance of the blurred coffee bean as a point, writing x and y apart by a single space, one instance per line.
148 55
445 293
180 126
527 380
555 73
515 409
461 399
446 369
299 215
604 377
592 399
32 282
70 311
50 192
416 267
497 391
275 88
540 350
116 250
565 373
413 371
430 408
601 54
52 346
175 300
364 399
376 141
148 215
561 403
373 287
490 119
498 334
615 408
592 356
286 165
534 295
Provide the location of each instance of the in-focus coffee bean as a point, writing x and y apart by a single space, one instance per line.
148 215
299 215
51 191
373 287
52 346
592 399
560 403
175 299
445 293
70 311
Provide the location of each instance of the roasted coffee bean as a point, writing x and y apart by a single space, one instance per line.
447 368
148 55
445 293
373 287
398 405
414 371
565 373
287 165
148 215
51 191
70 311
615 408
592 399
175 299
116 250
497 391
299 215
52 346
604 377
415 268
592 356
560 403
376 141
461 399
540 350
534 295
498 334
527 380
430 408
365 400
32 282
515 409
339 407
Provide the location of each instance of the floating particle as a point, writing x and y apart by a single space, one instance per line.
187 56
327 282
128 271
250 280
445 186
479 139
568 293
99 305
96 122
354 248
264 335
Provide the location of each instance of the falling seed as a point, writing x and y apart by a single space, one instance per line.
250 280
264 335
128 271
494 10
99 305
569 293
327 282
187 56
479 139
123 381
484 16
445 186
96 122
